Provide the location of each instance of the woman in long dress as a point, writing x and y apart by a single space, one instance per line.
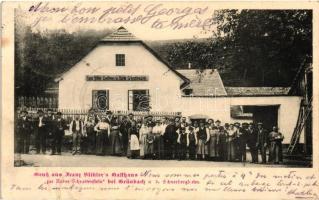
231 135
134 144
102 138
213 142
91 134
143 134
115 138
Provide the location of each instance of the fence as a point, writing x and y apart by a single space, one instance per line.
37 101
70 114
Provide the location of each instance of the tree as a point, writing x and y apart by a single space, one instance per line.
266 47
41 56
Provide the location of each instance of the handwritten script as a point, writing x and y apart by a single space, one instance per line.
290 183
155 15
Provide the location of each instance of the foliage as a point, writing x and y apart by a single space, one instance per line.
261 48
269 46
41 56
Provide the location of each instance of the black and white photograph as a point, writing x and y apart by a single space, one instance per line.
235 93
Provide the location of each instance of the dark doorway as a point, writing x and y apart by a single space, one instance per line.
268 115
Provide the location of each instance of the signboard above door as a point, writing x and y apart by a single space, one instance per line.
116 78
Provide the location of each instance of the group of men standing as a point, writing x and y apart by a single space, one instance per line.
168 138
43 127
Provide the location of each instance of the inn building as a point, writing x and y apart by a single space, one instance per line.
124 73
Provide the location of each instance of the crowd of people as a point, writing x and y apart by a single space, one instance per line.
146 138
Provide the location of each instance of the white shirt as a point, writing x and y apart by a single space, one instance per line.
157 129
163 128
77 125
102 126
40 121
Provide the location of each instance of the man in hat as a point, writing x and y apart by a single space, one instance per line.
252 141
170 139
242 140
183 123
50 126
203 138
149 120
178 122
59 125
217 123
76 128
262 141
131 118
23 132
41 132
109 116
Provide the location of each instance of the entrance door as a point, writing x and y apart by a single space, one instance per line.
268 115
100 100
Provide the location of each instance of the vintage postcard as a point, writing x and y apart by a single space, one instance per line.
159 100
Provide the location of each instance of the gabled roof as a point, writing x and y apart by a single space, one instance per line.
257 91
204 82
121 34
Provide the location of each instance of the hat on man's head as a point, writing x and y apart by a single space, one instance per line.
40 111
251 123
244 124
109 112
130 114
59 113
218 120
260 123
237 124
24 111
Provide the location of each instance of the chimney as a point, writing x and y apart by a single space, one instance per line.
189 65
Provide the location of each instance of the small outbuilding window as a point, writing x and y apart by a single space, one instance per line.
120 59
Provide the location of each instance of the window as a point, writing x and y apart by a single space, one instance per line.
120 59
138 100
100 99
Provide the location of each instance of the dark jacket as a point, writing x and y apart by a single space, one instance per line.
262 136
170 134
252 137
24 125
59 126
